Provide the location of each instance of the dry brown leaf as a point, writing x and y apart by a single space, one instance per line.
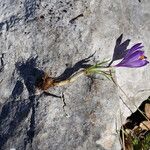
147 110
145 125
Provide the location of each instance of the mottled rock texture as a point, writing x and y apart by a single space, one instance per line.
51 36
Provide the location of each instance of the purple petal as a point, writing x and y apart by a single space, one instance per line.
133 57
135 64
133 60
136 46
133 49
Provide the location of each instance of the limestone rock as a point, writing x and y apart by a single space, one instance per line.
50 36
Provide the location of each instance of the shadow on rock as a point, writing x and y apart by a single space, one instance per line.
11 115
17 91
82 64
30 73
15 110
120 49
30 8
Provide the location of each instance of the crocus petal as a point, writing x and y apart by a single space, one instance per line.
135 64
133 57
136 46
133 60
133 49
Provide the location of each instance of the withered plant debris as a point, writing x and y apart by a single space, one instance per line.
135 133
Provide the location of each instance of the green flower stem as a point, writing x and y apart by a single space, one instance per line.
71 79
98 68
91 70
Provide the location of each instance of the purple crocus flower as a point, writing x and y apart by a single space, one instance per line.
134 57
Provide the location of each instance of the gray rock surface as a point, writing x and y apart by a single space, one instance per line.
52 35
